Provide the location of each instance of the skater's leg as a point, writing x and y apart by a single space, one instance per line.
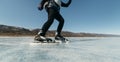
61 23
51 16
60 26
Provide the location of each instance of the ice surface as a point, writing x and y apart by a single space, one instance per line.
91 49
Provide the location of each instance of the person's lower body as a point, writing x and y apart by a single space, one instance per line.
52 14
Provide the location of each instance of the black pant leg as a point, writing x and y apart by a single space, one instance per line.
60 19
51 15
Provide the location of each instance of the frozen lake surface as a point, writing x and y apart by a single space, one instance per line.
21 49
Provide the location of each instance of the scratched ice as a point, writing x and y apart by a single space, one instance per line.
91 49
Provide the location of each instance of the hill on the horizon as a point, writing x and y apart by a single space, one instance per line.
19 31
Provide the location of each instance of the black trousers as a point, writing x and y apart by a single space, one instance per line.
53 14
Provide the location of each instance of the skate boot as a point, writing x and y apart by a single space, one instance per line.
40 38
59 38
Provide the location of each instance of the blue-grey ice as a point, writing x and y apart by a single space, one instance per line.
79 49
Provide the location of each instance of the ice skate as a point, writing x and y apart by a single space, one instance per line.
40 38
59 38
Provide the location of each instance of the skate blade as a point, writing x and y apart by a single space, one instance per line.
61 41
40 41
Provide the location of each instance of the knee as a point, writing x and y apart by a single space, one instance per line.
62 21
50 20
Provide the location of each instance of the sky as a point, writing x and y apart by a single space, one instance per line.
91 16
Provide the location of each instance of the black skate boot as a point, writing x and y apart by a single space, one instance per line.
59 38
40 38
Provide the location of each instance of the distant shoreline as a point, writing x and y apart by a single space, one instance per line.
20 32
48 36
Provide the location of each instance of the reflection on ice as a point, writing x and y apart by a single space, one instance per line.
21 49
